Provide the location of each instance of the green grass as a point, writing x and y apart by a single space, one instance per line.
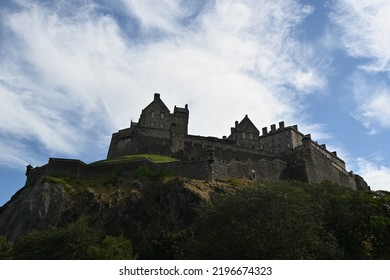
56 180
154 158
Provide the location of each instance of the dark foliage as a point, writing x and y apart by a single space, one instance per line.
72 242
294 220
6 249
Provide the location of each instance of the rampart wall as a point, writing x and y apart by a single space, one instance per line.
313 167
57 167
197 147
263 169
312 163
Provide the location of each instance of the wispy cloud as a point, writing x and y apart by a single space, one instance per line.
372 96
71 78
365 34
365 31
164 15
375 173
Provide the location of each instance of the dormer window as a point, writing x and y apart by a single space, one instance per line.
162 116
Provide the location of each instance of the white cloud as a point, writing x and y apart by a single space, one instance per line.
372 96
365 29
376 175
70 79
163 15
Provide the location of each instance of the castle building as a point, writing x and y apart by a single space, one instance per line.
282 152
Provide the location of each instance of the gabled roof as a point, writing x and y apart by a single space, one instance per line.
157 101
247 124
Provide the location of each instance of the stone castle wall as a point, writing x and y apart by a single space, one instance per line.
311 163
58 167
280 140
263 169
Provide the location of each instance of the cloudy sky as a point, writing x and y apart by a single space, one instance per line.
74 71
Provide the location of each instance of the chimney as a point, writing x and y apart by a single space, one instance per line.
295 127
265 130
273 127
156 96
281 125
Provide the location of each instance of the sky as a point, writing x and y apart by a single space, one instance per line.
72 72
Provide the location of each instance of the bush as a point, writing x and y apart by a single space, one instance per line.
266 221
111 248
72 242
6 249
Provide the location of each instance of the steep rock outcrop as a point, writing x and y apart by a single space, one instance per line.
34 208
142 209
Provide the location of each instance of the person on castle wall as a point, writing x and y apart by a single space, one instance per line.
253 175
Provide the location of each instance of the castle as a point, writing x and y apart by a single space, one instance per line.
280 153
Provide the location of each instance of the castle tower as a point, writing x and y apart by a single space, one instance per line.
179 127
245 134
155 115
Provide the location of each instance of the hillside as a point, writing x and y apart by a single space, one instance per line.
168 217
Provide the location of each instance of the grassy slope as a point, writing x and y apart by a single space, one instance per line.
154 158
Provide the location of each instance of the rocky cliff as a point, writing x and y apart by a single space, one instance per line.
141 208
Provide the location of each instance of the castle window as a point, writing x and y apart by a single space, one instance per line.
152 124
243 135
250 136
162 116
152 114
161 125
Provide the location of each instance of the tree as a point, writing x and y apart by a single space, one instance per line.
72 242
69 243
6 249
112 248
171 246
267 221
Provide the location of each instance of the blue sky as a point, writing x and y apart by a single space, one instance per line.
73 72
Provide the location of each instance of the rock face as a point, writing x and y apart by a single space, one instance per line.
141 208
35 207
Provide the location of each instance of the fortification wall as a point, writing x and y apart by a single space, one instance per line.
263 169
280 140
311 163
57 167
197 147
313 168
35 175
140 145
